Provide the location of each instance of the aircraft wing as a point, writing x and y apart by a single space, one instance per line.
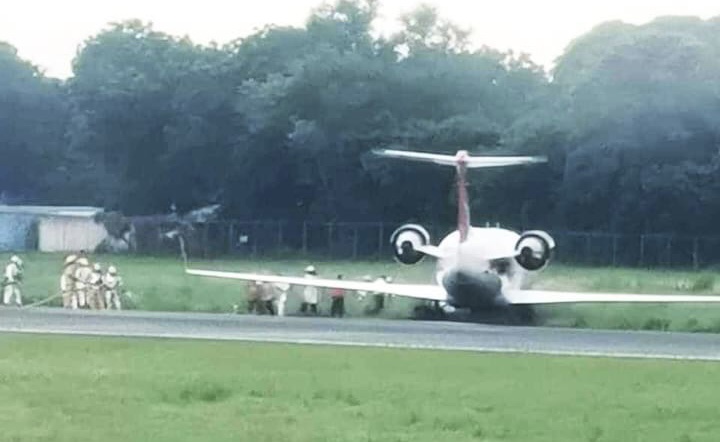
553 297
418 291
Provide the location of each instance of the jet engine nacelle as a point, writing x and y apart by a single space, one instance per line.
406 240
534 250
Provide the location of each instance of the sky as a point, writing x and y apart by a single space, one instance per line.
48 32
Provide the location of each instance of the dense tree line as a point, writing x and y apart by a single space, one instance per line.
280 124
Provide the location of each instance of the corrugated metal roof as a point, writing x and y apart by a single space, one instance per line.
71 211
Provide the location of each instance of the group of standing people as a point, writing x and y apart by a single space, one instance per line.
267 298
86 286
270 298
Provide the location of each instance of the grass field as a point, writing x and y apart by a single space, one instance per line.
160 284
74 389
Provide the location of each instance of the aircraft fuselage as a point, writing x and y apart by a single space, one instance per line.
475 272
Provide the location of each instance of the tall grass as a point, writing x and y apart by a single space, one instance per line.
160 284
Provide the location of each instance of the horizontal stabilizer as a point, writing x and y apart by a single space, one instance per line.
461 157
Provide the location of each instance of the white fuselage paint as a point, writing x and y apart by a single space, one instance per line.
474 258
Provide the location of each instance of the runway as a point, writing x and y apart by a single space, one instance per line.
365 332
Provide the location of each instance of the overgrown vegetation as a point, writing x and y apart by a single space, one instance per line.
86 389
160 284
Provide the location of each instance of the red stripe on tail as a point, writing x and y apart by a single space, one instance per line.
463 216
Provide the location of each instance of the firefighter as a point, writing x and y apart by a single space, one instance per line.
67 282
11 282
96 297
83 273
112 283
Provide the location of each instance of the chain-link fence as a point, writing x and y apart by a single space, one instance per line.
652 250
364 240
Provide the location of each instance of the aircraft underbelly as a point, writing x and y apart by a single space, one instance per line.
473 289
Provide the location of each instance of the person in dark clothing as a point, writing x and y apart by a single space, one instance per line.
337 308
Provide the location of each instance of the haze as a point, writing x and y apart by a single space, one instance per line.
48 33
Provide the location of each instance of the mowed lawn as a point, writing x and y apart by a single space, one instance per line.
160 284
70 389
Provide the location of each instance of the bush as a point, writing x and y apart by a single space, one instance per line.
662 324
703 283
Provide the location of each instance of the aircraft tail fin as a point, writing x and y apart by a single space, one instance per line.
461 161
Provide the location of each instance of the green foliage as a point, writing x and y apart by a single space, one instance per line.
280 124
33 117
703 283
638 107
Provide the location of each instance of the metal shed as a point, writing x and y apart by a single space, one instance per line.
50 228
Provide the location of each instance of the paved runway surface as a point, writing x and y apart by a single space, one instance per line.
365 332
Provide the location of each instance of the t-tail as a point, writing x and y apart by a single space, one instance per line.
462 161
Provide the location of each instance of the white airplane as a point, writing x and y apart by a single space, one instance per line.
478 268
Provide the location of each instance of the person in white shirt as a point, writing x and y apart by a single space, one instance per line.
311 295
378 296
280 291
362 294
112 283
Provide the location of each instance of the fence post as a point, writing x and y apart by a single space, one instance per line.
381 239
642 250
304 238
614 250
231 237
355 242
588 246
695 258
254 236
206 228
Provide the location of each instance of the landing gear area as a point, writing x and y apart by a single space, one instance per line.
504 315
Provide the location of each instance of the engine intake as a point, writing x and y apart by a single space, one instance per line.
534 250
406 240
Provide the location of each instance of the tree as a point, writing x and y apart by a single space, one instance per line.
33 116
152 112
639 105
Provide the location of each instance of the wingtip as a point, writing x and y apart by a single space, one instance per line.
380 151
